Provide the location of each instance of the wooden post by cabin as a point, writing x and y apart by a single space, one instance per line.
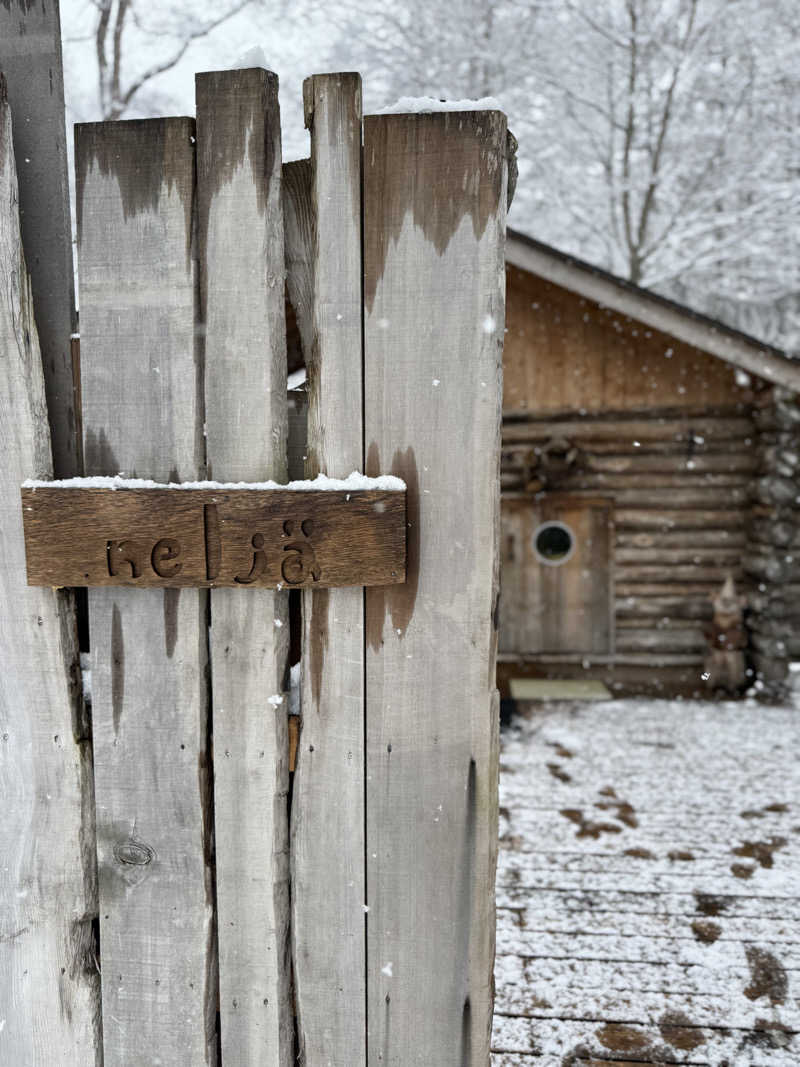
49 983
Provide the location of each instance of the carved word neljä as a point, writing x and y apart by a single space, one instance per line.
298 560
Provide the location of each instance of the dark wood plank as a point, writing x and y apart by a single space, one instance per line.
207 538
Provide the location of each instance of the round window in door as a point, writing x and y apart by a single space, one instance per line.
553 543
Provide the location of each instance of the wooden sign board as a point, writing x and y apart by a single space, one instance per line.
174 537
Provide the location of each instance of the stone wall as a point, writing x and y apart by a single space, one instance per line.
772 561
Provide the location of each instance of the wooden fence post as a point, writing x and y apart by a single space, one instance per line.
49 984
241 249
142 394
328 892
434 223
30 58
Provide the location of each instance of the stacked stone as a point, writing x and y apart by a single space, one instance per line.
772 561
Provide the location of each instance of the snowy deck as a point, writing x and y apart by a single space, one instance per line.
649 886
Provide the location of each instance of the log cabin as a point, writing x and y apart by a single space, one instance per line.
648 452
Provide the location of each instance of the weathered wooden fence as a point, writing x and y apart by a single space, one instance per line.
341 911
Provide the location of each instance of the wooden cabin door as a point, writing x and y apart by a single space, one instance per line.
556 583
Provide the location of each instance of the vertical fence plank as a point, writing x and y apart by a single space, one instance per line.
30 58
49 986
328 896
142 400
434 211
241 249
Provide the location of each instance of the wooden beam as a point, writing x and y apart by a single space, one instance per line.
660 607
631 429
208 538
142 394
327 851
49 985
652 639
743 461
30 59
666 518
633 572
704 539
434 210
690 555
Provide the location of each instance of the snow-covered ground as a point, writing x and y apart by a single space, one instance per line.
649 885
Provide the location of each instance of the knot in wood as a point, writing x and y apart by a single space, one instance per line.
134 853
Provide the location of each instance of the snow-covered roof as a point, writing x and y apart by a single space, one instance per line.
657 312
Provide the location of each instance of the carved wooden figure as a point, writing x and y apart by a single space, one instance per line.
727 638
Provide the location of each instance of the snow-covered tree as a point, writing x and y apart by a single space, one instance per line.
134 42
657 137
676 166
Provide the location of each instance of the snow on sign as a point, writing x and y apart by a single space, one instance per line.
109 531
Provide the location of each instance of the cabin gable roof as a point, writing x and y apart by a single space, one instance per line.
738 349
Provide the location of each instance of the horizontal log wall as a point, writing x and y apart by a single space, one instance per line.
772 561
682 485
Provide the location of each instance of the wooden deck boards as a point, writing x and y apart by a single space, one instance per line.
648 886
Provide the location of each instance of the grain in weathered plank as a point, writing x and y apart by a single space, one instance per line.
142 400
30 59
240 538
328 876
49 985
434 209
241 258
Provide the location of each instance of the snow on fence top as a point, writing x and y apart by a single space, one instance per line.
354 482
420 105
